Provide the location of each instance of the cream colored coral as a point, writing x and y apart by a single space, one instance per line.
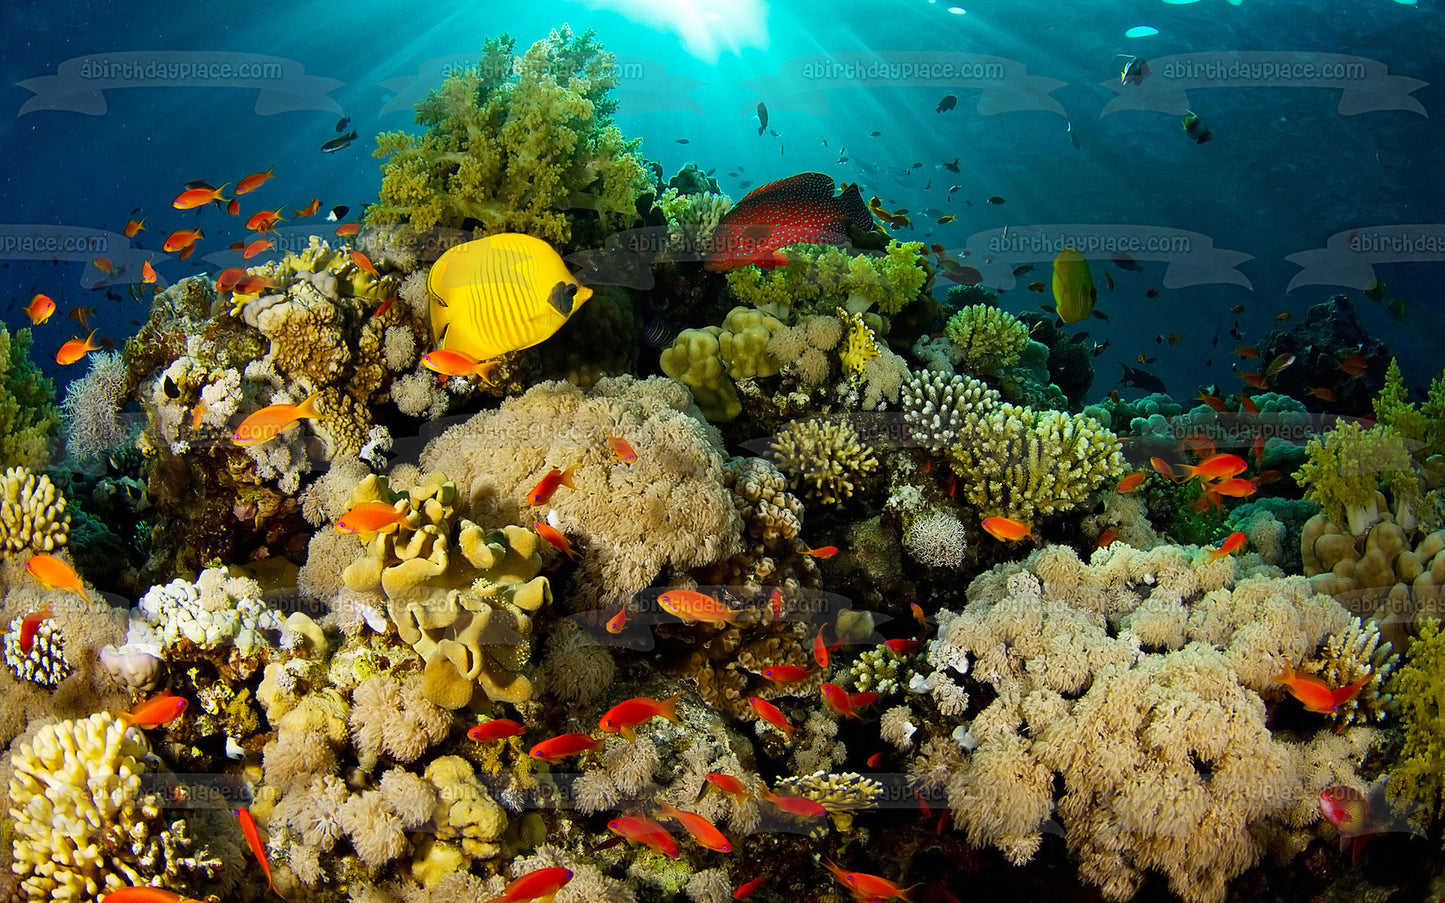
464 812
32 513
824 458
84 822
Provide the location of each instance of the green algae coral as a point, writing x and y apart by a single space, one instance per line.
1346 467
1419 690
513 143
987 338
29 418
1023 463
820 277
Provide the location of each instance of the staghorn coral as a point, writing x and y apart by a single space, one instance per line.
89 818
823 458
32 513
513 143
668 509
988 338
29 419
1025 464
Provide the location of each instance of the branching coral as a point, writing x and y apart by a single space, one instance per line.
937 407
821 277
987 338
512 144
824 458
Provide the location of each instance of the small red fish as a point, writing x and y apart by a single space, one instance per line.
146 894
823 552
133 226
618 622
782 674
622 450
1220 466
372 517
1230 544
74 349
836 699
1323 393
771 714
39 309
265 220
1254 380
30 624
558 748
800 806
309 210
346 230
364 263
1131 482
448 362
496 729
1236 488
541 493
234 207
727 784
103 264
867 887
1354 365
250 285
645 831
556 540
52 573
253 839
256 247
147 272
692 606
192 198
1246 352
875 760
1247 405
746 889
918 615
703 831
1349 811
1006 529
623 717
254 180
271 421
1162 468
1315 693
820 650
1257 449
182 238
535 885
1214 401
800 208
902 646
156 711
384 307
777 602
1106 538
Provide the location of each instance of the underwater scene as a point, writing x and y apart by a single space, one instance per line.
626 451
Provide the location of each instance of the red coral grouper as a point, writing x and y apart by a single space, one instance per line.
800 208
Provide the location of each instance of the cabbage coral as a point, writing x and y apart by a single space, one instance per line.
511 144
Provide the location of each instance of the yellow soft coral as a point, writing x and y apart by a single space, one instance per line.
860 347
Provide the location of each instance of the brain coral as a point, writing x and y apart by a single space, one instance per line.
669 508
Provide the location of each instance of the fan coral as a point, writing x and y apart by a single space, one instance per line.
29 419
987 337
1025 464
32 513
511 144
823 457
86 823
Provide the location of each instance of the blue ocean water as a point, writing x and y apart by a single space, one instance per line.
1284 171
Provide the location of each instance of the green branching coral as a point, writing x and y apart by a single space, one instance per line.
1419 689
821 277
1345 469
1024 464
987 337
511 144
28 416
1424 426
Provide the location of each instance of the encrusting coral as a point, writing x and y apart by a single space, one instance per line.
511 144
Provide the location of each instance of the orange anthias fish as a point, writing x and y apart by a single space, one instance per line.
253 839
1315 693
786 674
558 748
52 573
623 717
746 890
537 885
182 238
1236 488
265 220
227 278
310 209
702 830
29 625
346 230
134 226
864 886
254 180
727 784
363 262
775 600
1218 467
771 714
1349 811
154 712
820 650
456 363
1131 482
1006 529
1231 543
800 806
836 699
622 450
75 349
273 420
645 831
146 894
192 198
1354 365
556 540
903 646
256 247
372 517
618 622
147 272
692 606
542 493
822 551
800 208
1214 401
496 729
39 309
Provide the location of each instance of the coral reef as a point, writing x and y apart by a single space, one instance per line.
512 144
1419 773
987 338
819 278
94 426
32 513
29 419
824 459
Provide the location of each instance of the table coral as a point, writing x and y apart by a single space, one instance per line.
32 513
29 419
460 595
1025 464
511 144
89 820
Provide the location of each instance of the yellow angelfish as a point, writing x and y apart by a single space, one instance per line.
1074 291
500 294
